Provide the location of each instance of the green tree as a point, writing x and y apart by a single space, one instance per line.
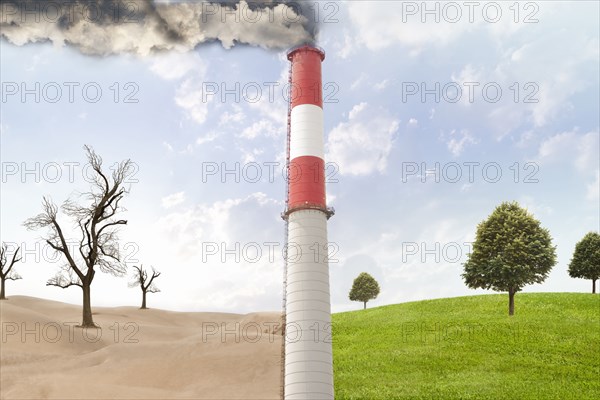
364 288
511 250
586 259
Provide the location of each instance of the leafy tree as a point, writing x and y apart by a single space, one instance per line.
586 259
98 246
141 279
364 288
511 250
6 268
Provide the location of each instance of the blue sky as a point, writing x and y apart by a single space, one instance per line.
392 219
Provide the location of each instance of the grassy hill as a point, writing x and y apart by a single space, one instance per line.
468 348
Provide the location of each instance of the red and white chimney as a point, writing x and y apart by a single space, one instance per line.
308 369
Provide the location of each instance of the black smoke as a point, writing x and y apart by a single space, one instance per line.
142 27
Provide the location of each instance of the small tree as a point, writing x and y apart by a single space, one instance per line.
586 259
511 250
364 288
140 278
98 247
6 268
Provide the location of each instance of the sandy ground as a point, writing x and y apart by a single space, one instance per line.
138 354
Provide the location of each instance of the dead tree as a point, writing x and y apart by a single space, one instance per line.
141 279
6 269
98 247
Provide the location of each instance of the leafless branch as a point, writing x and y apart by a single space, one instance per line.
141 279
13 277
5 267
98 244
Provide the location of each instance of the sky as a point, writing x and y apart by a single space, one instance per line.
433 117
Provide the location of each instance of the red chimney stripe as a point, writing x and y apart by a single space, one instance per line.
306 77
307 182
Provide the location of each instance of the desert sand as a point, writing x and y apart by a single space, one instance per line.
137 354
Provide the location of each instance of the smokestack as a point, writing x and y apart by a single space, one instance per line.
308 362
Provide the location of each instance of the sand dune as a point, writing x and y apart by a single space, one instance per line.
137 354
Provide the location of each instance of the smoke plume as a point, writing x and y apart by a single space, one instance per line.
142 27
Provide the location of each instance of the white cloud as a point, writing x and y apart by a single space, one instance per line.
558 78
268 120
190 97
203 222
593 189
264 128
236 116
552 146
535 207
358 81
380 24
467 78
362 145
457 141
580 149
525 54
250 156
173 65
413 122
271 112
554 81
357 109
525 138
173 200
209 137
466 187
168 146
588 152
382 85
213 244
347 48
212 222
191 69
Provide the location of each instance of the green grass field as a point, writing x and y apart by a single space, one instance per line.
469 348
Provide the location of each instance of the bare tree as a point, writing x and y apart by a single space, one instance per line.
98 247
6 268
141 279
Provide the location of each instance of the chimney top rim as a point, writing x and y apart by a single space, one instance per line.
306 47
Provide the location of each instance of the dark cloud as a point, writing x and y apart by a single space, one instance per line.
141 27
